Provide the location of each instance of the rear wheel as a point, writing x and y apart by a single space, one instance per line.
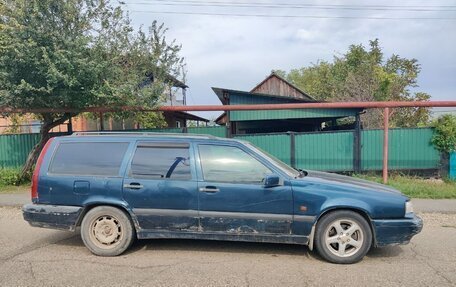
107 231
343 237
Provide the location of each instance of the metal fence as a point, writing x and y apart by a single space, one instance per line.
410 148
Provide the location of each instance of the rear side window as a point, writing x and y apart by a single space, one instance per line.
161 162
88 158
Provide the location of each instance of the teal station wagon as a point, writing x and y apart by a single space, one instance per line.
121 186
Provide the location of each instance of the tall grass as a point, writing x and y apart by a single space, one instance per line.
417 187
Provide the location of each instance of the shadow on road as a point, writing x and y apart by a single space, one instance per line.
230 247
220 246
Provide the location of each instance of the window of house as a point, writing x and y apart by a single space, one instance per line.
230 164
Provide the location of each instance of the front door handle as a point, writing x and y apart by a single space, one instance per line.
133 185
209 189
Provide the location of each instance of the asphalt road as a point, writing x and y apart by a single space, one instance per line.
40 257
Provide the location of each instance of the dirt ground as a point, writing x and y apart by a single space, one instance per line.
40 257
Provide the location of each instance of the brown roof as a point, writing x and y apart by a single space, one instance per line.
221 120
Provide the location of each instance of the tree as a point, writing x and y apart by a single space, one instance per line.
77 54
15 124
444 137
150 120
364 75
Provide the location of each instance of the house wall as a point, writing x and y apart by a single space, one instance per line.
172 122
276 86
28 124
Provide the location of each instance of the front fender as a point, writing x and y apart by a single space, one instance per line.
339 204
345 203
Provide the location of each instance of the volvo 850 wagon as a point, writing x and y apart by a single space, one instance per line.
121 186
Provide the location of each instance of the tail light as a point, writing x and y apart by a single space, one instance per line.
36 172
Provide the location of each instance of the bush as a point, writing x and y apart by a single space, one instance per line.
444 137
10 176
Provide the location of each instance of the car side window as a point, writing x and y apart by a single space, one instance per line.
161 162
88 158
230 164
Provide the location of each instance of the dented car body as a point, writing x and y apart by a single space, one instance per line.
202 187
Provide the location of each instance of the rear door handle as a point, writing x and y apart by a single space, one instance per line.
209 189
133 185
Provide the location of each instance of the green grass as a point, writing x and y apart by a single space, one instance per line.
10 181
417 187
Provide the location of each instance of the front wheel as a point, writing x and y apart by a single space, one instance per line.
343 237
107 231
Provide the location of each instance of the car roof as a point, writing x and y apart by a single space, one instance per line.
149 135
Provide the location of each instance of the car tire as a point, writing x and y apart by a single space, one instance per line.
343 237
107 231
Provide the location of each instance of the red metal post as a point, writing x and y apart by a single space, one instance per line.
342 105
385 144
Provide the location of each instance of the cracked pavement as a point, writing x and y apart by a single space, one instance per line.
41 257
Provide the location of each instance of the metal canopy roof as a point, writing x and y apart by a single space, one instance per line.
236 97
221 92
187 116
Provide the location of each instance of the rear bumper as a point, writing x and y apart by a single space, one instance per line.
397 231
52 216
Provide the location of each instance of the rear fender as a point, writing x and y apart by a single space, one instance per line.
102 201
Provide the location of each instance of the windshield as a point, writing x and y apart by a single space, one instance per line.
277 162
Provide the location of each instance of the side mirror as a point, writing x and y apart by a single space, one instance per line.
271 180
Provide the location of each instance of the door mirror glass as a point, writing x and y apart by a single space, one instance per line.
271 180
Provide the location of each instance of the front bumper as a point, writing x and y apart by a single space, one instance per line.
52 216
397 231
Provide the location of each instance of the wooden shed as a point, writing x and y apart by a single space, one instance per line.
275 90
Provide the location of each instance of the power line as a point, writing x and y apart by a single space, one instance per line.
308 5
429 8
292 16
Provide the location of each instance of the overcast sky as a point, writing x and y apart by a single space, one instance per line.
238 52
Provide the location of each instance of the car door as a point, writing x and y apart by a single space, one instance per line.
232 198
161 187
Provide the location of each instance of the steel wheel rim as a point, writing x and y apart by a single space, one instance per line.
106 231
344 237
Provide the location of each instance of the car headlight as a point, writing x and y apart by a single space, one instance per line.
408 207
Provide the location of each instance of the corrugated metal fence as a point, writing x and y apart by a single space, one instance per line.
409 148
14 149
276 144
330 151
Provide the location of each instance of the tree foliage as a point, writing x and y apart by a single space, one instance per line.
150 120
363 74
77 54
444 137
